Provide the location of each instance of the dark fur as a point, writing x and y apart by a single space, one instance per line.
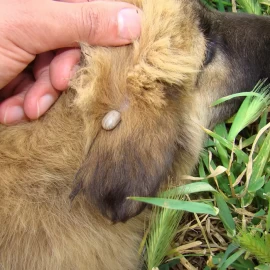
244 40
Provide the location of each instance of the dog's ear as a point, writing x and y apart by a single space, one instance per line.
150 83
131 160
136 156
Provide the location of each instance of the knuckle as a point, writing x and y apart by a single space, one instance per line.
90 21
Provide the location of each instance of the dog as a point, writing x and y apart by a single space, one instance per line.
64 178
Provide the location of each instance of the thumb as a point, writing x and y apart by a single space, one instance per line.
104 23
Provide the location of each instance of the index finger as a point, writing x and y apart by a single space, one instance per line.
80 1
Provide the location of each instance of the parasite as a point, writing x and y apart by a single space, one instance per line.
111 120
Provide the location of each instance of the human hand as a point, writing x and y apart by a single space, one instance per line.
46 33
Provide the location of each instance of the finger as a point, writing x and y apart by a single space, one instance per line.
63 67
97 23
42 63
11 110
42 94
81 1
9 89
74 1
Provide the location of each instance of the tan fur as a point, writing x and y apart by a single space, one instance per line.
152 83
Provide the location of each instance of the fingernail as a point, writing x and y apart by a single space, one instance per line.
44 104
129 24
14 114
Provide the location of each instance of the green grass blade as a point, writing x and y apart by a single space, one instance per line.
261 160
225 215
237 124
242 94
189 189
231 248
248 141
268 217
242 264
250 110
263 121
251 6
240 154
221 130
221 6
161 231
223 154
193 207
256 185
262 267
232 259
265 2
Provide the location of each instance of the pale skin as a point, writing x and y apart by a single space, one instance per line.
39 48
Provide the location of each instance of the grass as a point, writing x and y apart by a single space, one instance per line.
222 219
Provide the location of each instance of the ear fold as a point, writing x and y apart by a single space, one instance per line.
131 160
150 82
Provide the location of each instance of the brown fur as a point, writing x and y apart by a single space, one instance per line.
150 82
159 85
